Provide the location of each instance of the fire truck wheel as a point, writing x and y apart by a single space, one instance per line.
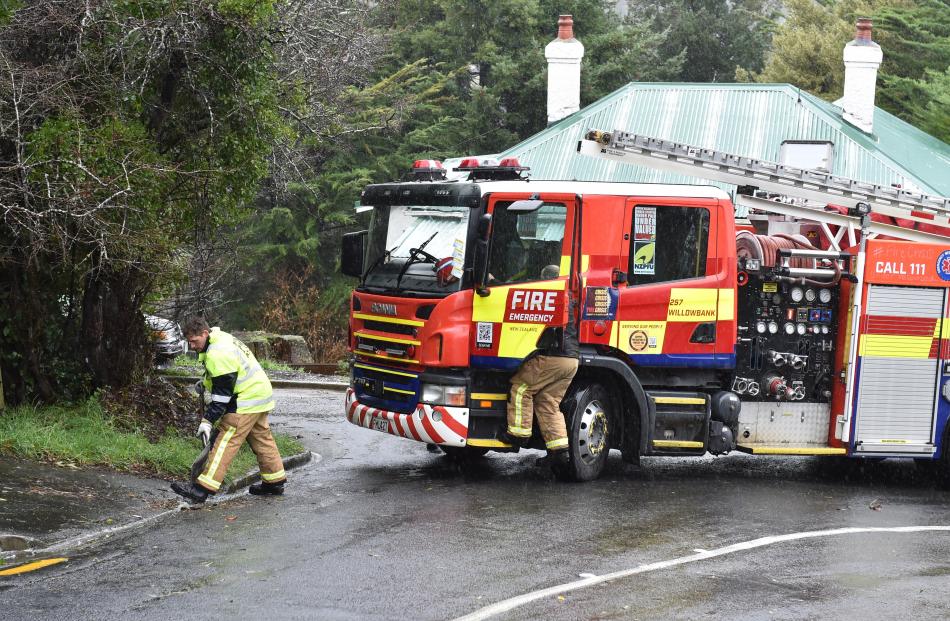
588 428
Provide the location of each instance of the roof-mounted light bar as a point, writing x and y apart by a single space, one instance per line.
508 169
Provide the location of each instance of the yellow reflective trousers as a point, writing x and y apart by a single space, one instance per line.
233 430
536 390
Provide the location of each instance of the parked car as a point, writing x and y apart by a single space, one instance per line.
167 338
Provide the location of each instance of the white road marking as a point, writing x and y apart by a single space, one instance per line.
520 600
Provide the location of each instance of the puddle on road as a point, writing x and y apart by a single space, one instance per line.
860 581
622 538
39 499
15 543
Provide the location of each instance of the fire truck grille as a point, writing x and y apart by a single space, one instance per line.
392 328
373 346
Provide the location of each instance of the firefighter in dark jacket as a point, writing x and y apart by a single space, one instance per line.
241 397
538 388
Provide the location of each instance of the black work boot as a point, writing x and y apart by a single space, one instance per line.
267 489
195 494
507 438
556 459
559 458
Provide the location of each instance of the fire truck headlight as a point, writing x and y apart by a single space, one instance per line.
455 395
431 393
437 394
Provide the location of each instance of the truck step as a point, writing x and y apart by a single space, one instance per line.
681 422
788 449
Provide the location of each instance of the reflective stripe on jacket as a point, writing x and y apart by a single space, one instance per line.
225 355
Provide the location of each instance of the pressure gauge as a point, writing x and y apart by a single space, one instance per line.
760 327
824 329
801 328
796 294
789 328
810 295
824 296
773 327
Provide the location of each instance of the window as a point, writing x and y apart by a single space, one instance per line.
526 246
668 243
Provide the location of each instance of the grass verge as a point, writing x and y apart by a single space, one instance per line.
81 435
273 365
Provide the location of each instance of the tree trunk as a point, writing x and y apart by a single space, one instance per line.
114 340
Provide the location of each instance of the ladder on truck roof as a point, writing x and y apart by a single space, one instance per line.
796 183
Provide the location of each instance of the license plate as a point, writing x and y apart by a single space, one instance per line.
379 424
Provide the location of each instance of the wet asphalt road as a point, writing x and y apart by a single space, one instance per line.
381 529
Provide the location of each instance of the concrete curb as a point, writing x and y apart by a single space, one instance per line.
317 385
294 461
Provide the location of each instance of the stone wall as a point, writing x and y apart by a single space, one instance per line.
287 348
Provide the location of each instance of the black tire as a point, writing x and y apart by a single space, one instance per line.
590 422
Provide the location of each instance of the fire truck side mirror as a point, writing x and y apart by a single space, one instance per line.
484 227
480 268
352 252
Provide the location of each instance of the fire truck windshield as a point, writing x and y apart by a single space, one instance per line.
416 248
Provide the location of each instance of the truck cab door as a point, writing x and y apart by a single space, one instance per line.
529 267
677 308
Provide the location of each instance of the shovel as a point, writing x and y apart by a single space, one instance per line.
199 464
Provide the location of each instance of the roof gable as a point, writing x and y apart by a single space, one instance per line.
750 120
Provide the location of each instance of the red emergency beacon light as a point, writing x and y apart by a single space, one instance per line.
427 170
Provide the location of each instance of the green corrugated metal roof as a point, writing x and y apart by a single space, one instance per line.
750 120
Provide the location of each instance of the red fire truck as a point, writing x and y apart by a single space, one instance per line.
804 330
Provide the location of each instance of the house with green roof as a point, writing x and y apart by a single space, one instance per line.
751 120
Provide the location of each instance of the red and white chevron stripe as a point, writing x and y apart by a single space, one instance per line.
450 430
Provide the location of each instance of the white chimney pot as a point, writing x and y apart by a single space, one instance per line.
862 57
564 56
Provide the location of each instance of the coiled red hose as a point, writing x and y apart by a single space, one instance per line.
766 247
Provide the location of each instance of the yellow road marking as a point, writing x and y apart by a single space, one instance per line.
22 569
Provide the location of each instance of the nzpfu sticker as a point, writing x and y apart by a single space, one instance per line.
638 340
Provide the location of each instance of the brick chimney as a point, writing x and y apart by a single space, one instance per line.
564 56
862 57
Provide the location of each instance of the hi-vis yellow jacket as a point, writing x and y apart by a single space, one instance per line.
234 378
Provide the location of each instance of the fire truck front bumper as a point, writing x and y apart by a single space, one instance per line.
433 424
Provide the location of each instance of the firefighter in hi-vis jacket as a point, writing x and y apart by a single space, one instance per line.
241 397
538 387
